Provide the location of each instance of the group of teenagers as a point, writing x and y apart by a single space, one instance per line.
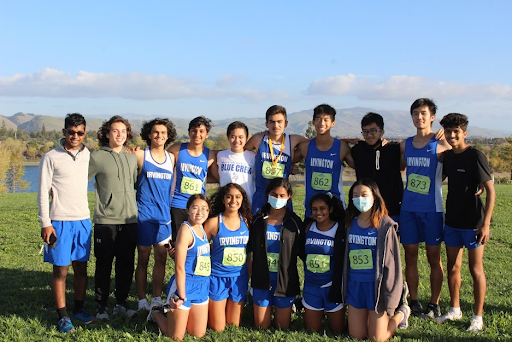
248 231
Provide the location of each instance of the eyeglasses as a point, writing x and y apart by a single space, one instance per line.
71 132
204 210
372 131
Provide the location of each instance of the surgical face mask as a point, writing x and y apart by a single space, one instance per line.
277 203
363 204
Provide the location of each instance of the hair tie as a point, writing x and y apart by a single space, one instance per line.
329 194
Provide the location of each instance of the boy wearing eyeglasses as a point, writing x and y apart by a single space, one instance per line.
65 218
379 163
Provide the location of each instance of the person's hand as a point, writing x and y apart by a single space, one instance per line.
479 190
170 249
46 232
294 170
440 135
132 150
483 234
385 142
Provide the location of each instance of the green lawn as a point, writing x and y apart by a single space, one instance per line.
27 312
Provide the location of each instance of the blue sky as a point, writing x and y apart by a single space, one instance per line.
226 59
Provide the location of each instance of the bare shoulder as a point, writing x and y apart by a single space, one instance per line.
253 142
211 227
296 139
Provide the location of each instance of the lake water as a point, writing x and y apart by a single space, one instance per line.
32 177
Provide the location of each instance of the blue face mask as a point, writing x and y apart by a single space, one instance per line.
277 203
363 204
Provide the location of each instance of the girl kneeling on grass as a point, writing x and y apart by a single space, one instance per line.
187 293
274 243
322 249
228 228
372 283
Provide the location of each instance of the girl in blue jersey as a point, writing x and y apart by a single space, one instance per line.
228 229
322 249
274 243
372 282
187 294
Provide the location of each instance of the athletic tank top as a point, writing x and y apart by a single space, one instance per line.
190 176
273 246
154 184
318 268
229 256
423 191
197 263
362 252
324 173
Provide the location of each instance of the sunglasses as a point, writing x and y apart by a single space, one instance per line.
71 132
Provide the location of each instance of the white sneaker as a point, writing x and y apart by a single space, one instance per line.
102 315
123 310
477 325
143 305
157 301
450 316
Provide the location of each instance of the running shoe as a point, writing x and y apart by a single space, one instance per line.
143 305
477 325
123 310
450 316
416 308
432 311
65 326
406 311
83 316
102 314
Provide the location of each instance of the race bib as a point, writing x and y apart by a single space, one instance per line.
418 183
318 263
191 186
271 171
321 181
273 261
203 266
233 256
361 259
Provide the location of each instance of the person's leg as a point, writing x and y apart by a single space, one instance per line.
217 314
198 319
234 312
381 327
104 237
59 288
411 269
282 317
454 263
476 267
177 324
337 321
80 279
436 272
313 319
262 316
160 254
125 244
357 323
141 272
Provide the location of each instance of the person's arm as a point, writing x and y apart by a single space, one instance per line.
174 150
442 146
301 151
346 155
45 186
483 232
254 142
140 160
213 170
93 168
183 240
211 227
402 155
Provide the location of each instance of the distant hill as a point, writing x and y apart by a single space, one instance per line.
348 120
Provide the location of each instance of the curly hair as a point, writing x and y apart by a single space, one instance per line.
105 129
217 205
147 126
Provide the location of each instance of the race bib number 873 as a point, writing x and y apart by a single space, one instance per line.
418 183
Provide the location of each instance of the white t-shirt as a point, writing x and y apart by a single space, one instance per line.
237 168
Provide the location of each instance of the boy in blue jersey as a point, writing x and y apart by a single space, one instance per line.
154 186
65 218
467 219
324 156
274 153
192 162
421 214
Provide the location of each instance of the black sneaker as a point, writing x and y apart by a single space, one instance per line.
432 311
416 308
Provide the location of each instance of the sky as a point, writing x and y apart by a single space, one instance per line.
227 59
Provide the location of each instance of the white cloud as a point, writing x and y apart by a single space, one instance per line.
138 86
403 87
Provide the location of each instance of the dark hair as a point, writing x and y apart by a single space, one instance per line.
324 109
218 207
424 102
74 120
147 126
378 210
200 120
275 109
105 129
455 120
338 211
192 198
370 118
237 124
276 183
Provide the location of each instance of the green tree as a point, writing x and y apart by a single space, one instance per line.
5 157
14 176
310 131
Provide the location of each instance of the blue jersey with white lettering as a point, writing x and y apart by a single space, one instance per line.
190 176
154 185
319 247
273 246
362 244
265 170
324 173
200 248
423 191
229 255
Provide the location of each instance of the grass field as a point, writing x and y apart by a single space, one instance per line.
27 310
